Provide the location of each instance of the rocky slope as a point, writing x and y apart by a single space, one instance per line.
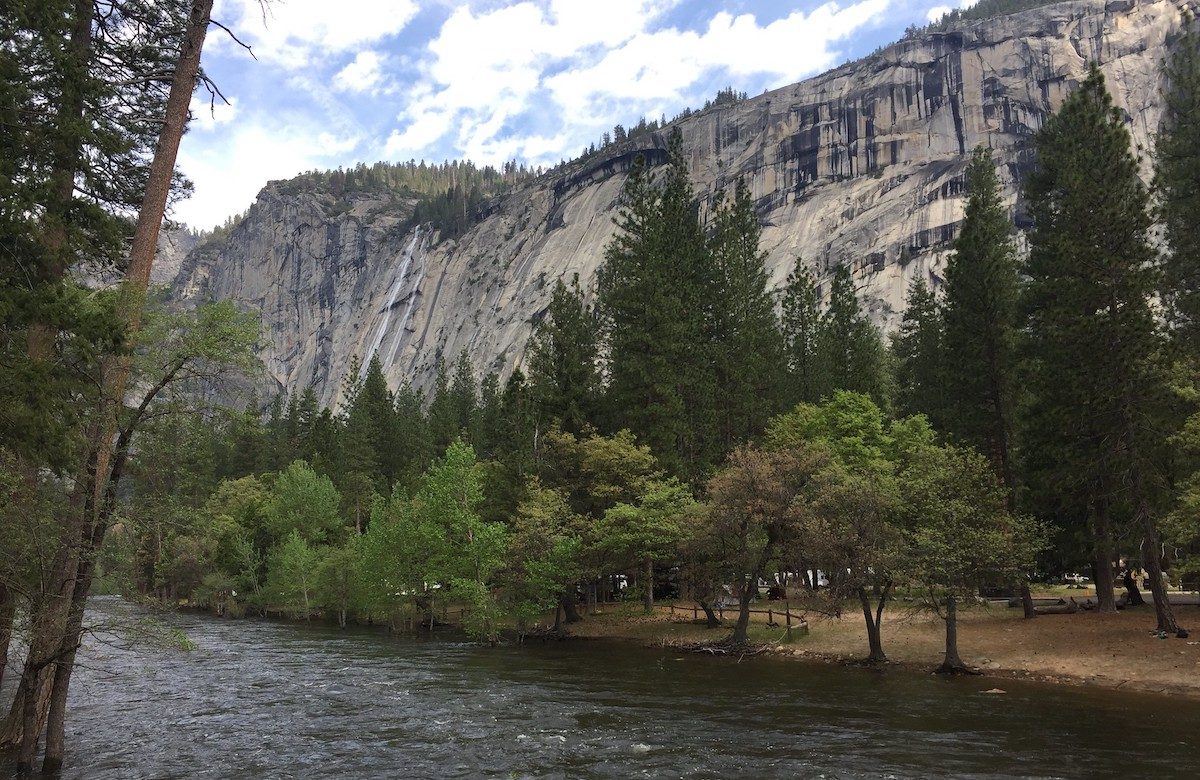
862 165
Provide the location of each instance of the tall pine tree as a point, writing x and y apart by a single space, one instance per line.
1177 173
917 346
562 361
747 346
849 346
980 310
655 295
801 321
1094 349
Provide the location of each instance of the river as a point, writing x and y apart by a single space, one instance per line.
269 699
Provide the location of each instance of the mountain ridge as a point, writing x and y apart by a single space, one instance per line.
860 165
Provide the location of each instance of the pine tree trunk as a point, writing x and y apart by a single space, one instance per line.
1158 587
591 597
8 614
1106 600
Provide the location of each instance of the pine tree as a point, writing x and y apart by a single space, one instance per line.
562 361
748 348
980 309
1177 171
443 419
917 347
1094 351
464 400
849 346
801 321
367 432
655 295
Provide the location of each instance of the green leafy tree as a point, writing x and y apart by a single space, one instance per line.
961 535
293 575
305 502
638 534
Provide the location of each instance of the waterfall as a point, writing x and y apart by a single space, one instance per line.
395 292
412 299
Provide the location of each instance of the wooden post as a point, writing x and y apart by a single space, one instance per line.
770 617
721 613
672 610
695 612
788 613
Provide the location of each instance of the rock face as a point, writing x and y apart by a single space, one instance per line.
860 166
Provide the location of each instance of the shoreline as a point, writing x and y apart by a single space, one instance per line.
1082 650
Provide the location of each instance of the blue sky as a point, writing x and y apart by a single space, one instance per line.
337 82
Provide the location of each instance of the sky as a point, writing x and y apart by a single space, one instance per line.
336 82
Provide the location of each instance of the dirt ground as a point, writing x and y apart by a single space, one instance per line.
1086 648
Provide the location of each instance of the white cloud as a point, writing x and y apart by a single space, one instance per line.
209 113
938 11
228 176
294 32
361 75
573 63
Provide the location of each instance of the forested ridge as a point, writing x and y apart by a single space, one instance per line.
678 431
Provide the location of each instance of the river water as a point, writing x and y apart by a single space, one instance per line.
269 699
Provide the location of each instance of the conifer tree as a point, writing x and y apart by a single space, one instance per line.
562 361
1177 171
443 420
849 346
980 309
1094 351
464 399
748 348
655 294
917 346
801 321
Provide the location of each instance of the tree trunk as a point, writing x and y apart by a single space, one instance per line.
1106 600
115 380
8 613
873 620
568 605
1158 587
1027 601
593 586
648 595
952 663
710 617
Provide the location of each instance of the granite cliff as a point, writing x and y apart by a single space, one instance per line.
861 166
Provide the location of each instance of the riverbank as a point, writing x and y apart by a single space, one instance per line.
1118 651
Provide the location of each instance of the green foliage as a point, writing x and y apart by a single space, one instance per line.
918 349
849 347
801 322
1177 168
980 312
305 503
563 375
293 578
1093 351
960 533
